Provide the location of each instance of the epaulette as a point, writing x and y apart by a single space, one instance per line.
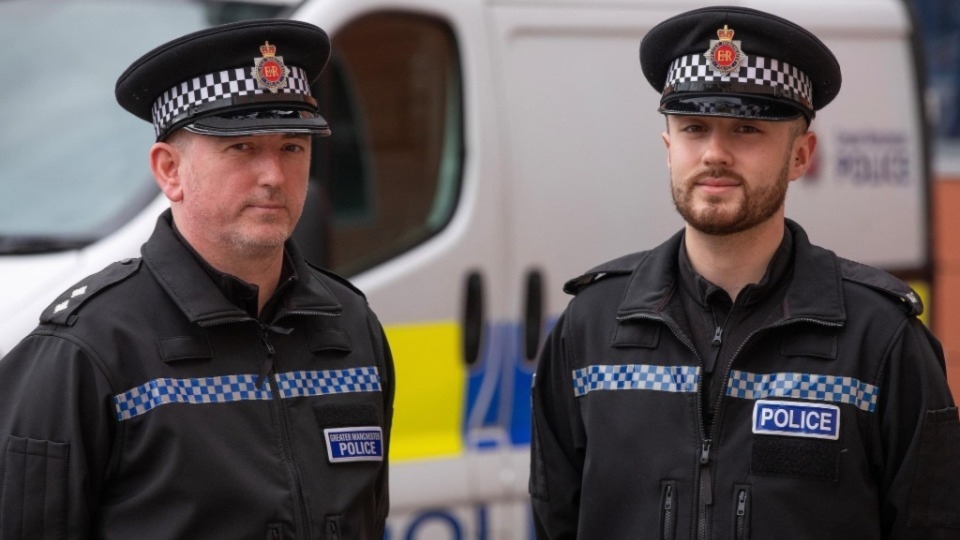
63 309
620 266
883 282
337 277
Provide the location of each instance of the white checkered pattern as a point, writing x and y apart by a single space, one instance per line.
334 381
213 86
757 70
740 110
243 387
808 386
635 377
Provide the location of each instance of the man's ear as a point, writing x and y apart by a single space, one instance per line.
802 154
165 162
666 142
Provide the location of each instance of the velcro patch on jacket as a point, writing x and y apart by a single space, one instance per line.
348 444
796 419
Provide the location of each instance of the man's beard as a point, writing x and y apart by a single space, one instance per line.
758 204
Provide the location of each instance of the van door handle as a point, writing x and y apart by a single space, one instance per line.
533 313
472 318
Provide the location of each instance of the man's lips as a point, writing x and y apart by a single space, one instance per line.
717 181
266 205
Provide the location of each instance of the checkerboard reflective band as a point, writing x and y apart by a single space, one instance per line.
808 386
635 377
756 71
230 83
243 387
336 381
740 110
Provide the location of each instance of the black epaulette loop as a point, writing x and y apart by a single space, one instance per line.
577 284
63 309
883 282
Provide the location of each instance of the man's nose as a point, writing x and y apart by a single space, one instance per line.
718 150
270 169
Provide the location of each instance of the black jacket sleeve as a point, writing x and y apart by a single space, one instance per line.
388 387
920 440
556 461
56 437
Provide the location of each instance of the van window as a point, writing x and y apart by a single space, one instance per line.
391 169
73 163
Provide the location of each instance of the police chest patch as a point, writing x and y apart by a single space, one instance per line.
354 444
796 419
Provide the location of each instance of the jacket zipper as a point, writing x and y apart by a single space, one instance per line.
705 496
706 489
332 526
668 524
285 444
741 518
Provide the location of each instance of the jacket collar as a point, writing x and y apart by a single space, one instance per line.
180 274
814 292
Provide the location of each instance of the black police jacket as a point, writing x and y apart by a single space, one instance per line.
835 421
146 405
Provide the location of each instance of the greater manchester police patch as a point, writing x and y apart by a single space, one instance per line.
354 444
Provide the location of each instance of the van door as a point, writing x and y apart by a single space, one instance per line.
410 179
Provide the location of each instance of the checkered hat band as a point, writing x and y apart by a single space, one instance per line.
243 387
635 377
215 86
741 110
807 386
756 70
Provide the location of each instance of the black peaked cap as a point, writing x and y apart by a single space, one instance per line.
228 46
762 34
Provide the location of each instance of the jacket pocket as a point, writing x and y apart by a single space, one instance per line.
935 490
741 512
33 489
668 509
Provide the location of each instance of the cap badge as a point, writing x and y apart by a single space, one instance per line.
269 70
724 54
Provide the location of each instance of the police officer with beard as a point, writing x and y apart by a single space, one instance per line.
738 381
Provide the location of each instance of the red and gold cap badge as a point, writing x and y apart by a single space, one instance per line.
724 54
269 70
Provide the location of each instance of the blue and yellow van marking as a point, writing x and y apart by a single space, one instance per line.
442 406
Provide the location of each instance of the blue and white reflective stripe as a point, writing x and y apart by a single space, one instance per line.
808 386
242 387
158 392
635 377
334 381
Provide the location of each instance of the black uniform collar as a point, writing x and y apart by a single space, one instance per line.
814 290
207 296
706 293
243 295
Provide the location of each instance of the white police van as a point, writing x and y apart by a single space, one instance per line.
484 151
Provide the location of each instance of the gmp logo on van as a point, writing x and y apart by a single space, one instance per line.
796 419
354 444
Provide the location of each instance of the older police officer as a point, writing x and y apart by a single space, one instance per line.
737 381
219 386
